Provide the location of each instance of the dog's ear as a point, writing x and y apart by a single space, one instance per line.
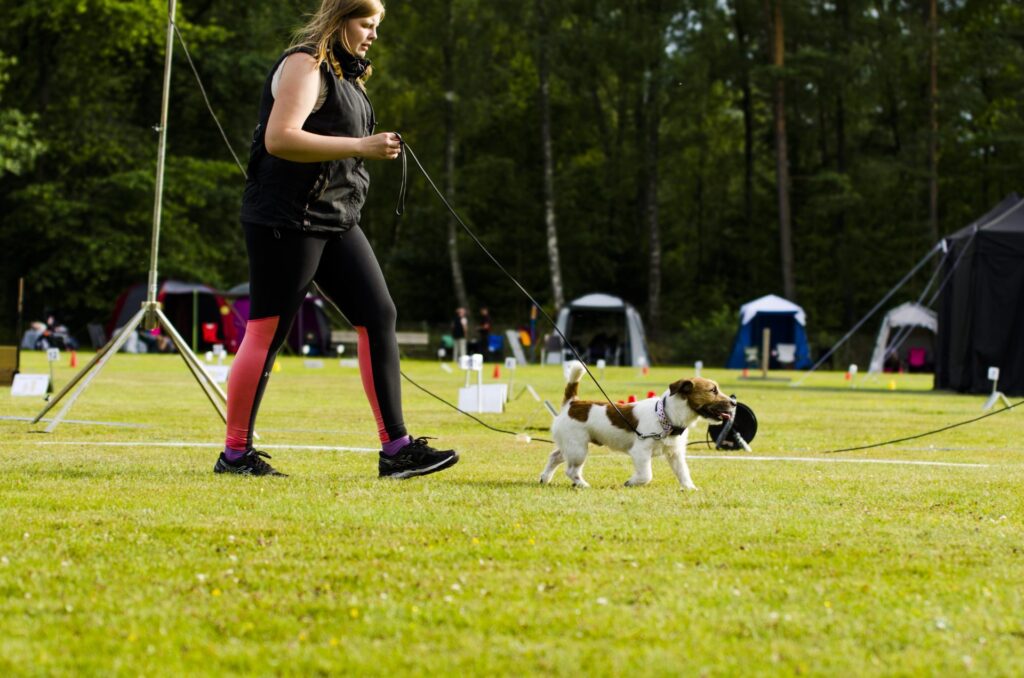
684 386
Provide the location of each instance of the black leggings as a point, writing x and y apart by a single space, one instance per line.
282 263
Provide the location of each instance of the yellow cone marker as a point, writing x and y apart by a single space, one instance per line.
277 366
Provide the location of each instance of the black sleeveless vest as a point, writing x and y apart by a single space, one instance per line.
316 197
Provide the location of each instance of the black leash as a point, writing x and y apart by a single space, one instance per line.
406 148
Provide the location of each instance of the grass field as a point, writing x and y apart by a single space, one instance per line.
135 559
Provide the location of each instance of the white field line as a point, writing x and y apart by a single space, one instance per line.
330 448
206 444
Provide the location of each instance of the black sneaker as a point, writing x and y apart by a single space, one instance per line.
415 459
248 464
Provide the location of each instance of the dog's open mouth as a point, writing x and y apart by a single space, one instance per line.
719 414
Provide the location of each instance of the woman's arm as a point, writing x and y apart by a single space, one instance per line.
296 95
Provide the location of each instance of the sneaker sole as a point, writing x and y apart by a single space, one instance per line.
231 472
412 473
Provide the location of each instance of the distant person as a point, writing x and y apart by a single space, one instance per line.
460 329
483 331
307 182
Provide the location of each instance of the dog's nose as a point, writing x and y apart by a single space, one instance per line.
732 399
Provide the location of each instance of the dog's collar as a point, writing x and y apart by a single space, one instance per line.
667 427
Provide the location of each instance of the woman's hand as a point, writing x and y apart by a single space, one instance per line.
383 146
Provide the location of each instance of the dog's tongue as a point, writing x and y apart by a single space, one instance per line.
725 416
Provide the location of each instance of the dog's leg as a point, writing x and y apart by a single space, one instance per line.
554 461
575 456
676 458
641 454
574 469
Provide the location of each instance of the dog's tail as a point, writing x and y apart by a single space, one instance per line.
573 373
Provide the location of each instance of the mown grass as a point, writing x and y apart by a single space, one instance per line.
138 560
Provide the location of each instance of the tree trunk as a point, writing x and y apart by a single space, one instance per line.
781 152
933 122
550 223
458 282
651 194
747 104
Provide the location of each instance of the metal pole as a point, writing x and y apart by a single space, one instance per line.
161 153
149 315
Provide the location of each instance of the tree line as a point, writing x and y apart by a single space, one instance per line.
686 155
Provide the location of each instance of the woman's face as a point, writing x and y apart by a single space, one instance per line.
360 34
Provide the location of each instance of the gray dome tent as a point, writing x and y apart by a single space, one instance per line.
909 319
601 326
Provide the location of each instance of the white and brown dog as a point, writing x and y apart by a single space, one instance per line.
662 424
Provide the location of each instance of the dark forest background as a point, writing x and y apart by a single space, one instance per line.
686 155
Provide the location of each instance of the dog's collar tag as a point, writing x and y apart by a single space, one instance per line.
666 426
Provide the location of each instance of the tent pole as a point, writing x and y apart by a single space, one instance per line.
901 283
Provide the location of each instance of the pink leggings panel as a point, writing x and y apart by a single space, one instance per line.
246 371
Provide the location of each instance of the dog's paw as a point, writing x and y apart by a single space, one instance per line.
689 488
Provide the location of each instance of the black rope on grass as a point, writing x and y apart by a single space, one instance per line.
928 433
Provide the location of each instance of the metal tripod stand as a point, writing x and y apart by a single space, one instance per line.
150 315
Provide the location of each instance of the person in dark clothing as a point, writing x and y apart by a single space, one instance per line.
307 181
483 331
460 328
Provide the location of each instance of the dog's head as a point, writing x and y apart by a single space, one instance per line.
704 398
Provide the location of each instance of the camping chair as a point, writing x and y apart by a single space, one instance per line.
210 333
750 354
785 353
916 358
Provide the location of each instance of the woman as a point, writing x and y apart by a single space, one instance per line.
307 182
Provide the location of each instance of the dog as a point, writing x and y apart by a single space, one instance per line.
663 422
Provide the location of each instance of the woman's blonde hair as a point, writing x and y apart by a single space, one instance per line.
326 26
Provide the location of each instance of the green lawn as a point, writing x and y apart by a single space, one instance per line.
137 560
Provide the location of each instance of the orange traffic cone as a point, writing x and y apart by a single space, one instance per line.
497 372
646 370
74 359
746 372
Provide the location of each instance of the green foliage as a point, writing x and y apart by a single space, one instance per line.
80 100
707 337
19 146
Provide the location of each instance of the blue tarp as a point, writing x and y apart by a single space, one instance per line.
783 318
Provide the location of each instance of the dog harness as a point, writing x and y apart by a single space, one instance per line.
667 428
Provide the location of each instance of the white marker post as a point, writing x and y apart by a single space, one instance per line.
852 371
600 366
997 396
466 364
697 367
510 367
52 356
477 365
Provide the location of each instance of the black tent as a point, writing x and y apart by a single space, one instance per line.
981 311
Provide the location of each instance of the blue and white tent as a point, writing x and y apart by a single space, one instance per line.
783 318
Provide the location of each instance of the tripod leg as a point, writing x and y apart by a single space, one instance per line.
95 365
210 388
